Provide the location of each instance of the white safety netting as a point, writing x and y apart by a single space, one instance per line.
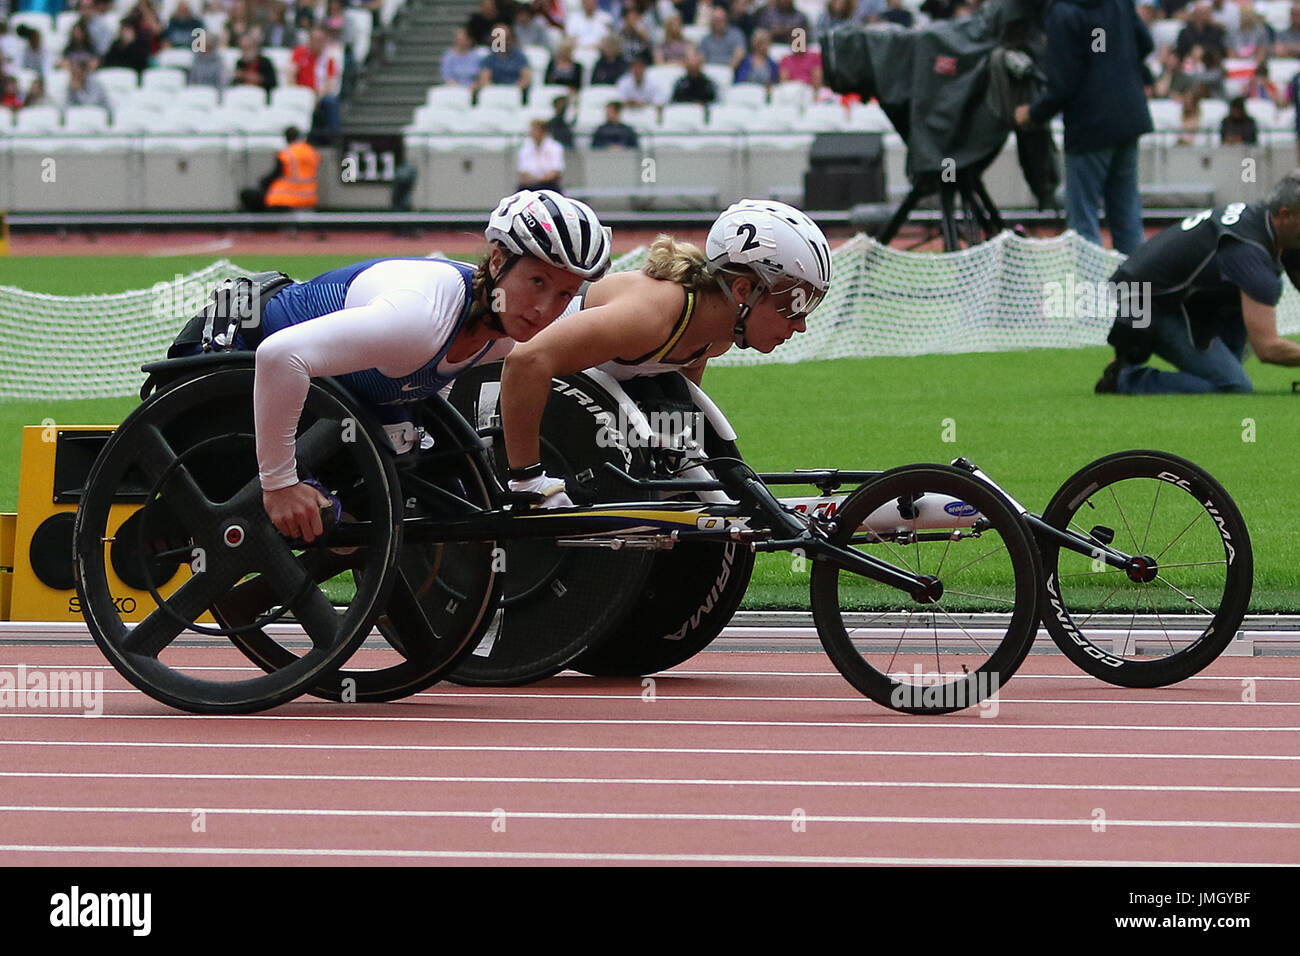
1009 293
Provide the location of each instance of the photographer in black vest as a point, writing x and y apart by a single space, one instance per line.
1198 292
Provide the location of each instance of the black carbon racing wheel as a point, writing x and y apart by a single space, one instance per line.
555 600
188 454
443 595
1175 610
965 639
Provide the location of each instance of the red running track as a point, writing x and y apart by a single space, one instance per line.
733 758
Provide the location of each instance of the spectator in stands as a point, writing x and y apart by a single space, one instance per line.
1173 82
460 63
869 11
1227 15
101 26
1288 41
549 11
559 127
781 19
238 22
611 65
329 89
180 31
253 68
541 159
1202 31
614 133
279 32
145 21
1190 126
9 96
303 59
589 25
686 10
1254 38
506 66
1104 103
758 67
941 9
743 17
79 44
292 183
1239 126
896 13
724 44
635 35
802 66
531 29
36 95
304 20
563 70
837 13
35 56
695 86
83 88
207 68
1261 87
11 48
674 46
128 50
637 91
491 15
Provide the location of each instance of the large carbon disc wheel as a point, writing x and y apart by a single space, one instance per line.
958 643
1181 600
189 456
443 594
692 590
556 600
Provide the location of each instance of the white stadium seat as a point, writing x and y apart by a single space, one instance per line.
293 98
85 119
1263 112
870 117
798 95
483 120
282 59
1165 114
117 79
722 76
156 100
37 119
665 77
749 95
1165 32
538 58
727 118
448 96
1212 114
6 120
682 118
197 97
499 98
176 58
130 120
595 97
541 97
37 21
162 78
244 98
1281 69
56 87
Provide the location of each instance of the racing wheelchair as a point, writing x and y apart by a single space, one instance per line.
925 580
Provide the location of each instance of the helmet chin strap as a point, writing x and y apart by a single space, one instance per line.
490 318
742 309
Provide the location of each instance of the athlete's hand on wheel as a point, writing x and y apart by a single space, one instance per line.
551 490
296 510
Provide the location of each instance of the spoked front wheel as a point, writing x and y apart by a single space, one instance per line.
1181 598
958 643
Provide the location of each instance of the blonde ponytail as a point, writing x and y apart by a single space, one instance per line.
676 261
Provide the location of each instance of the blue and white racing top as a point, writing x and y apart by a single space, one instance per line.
381 327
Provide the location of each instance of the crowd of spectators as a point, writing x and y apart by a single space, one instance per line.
317 32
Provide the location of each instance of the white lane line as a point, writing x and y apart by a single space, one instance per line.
628 781
634 695
1088 821
867 723
606 857
674 751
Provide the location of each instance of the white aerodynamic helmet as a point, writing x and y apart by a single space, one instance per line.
779 243
553 228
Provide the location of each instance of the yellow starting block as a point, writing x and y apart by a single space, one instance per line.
37 545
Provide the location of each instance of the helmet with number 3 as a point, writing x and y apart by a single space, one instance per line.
779 243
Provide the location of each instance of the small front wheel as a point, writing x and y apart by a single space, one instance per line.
958 643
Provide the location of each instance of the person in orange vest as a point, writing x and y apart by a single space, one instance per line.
292 184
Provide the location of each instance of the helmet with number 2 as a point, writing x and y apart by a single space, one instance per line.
777 242
555 229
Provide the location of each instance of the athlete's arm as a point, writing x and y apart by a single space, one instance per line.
617 329
1261 328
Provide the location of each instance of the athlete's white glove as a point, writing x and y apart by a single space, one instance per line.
551 490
